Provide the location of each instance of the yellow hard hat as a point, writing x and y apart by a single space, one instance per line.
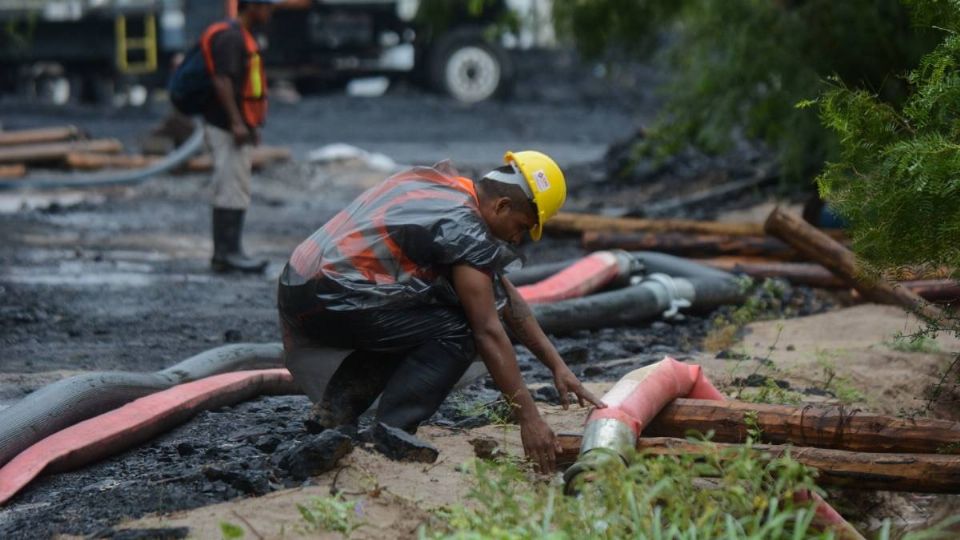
546 182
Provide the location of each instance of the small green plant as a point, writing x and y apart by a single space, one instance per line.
918 343
749 496
497 412
763 302
770 392
751 419
231 531
839 386
332 514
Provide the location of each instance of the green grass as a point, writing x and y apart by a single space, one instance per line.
332 513
655 498
913 343
729 494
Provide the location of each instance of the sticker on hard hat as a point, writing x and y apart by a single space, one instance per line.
540 178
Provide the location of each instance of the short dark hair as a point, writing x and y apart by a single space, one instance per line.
518 198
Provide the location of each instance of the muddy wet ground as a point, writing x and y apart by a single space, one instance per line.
118 279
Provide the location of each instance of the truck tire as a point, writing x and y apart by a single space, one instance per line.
468 67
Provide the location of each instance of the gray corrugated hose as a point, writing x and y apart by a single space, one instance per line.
74 399
170 161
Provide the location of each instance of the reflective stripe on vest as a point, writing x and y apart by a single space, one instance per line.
254 97
343 248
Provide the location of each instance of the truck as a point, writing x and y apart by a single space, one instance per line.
94 50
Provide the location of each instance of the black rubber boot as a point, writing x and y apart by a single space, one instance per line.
228 255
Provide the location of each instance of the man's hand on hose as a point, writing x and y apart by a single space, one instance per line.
539 443
567 383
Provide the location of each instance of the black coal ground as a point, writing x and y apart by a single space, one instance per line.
233 452
123 283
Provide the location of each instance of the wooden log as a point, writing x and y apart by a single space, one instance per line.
33 153
90 161
925 473
12 171
690 245
934 289
260 156
39 135
817 246
814 275
822 427
566 222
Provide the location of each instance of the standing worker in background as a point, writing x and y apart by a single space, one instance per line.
233 118
407 284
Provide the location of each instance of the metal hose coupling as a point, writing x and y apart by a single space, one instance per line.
673 293
628 266
605 441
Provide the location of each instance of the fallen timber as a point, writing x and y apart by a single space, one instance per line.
683 244
39 135
260 156
15 170
817 246
567 222
32 153
815 275
923 473
821 427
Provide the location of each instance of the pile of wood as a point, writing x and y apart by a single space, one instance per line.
784 247
848 448
68 147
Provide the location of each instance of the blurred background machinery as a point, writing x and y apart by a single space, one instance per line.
120 50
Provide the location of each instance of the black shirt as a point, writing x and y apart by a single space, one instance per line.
229 54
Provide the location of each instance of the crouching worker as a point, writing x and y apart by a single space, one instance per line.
406 285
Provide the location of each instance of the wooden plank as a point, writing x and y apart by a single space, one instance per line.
823 427
90 161
15 170
39 135
34 153
926 473
566 222
690 245
260 156
818 247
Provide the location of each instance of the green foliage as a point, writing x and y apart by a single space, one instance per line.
839 386
913 343
656 497
231 531
332 514
763 302
436 16
742 65
498 412
896 176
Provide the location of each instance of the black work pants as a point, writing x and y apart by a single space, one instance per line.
410 358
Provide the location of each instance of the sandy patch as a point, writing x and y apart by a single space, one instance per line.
855 342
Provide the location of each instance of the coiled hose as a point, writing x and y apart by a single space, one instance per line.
71 400
172 160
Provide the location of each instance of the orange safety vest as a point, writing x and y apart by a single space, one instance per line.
356 244
254 96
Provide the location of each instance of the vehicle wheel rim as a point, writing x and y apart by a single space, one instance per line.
472 74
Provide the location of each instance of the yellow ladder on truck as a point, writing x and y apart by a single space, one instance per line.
146 43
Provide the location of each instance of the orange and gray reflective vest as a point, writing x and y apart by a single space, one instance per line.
398 241
254 95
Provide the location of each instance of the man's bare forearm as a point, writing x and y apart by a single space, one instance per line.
223 88
519 318
497 353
